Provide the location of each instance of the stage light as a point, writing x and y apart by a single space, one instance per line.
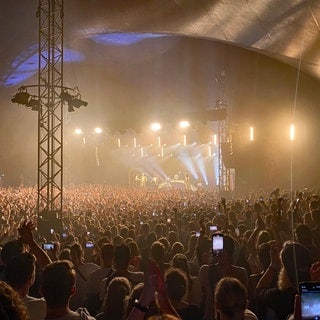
156 126
98 130
184 124
34 104
78 131
292 132
251 133
73 101
21 98
184 140
215 139
77 103
25 99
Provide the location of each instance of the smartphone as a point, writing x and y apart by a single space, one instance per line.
310 297
217 243
213 228
198 234
89 244
47 246
52 231
64 235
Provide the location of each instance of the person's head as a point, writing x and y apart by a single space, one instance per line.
230 299
76 253
157 251
65 254
122 256
176 284
107 254
11 305
315 214
177 247
296 262
303 234
134 249
180 261
264 255
117 298
10 249
58 283
20 271
264 236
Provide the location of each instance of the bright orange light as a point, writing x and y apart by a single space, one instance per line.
156 126
98 130
184 140
78 131
292 132
215 139
184 124
251 134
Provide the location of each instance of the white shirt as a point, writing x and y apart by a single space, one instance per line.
36 307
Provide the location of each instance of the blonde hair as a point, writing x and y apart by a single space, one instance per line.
284 282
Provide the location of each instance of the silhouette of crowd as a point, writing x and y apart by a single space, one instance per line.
140 253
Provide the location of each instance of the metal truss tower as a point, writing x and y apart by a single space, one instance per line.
50 116
223 137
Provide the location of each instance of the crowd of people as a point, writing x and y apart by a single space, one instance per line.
137 253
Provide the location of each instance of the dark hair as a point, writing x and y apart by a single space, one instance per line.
58 280
157 251
20 269
122 255
177 283
10 249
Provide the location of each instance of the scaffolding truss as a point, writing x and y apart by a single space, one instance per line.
50 115
223 137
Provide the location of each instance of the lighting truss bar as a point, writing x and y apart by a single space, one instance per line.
50 115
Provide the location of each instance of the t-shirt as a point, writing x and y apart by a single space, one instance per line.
36 307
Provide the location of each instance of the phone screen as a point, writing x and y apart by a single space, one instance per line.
310 297
89 244
48 246
217 243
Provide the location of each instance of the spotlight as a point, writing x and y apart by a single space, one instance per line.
75 102
156 126
21 98
34 104
184 124
72 100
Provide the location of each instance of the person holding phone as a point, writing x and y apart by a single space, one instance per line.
223 266
276 290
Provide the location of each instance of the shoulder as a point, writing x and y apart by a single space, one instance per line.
136 276
249 315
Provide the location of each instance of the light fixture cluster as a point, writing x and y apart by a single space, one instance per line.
73 101
24 98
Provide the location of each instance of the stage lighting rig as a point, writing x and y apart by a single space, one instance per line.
73 100
25 99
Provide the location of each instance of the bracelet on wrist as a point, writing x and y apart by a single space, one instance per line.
141 308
